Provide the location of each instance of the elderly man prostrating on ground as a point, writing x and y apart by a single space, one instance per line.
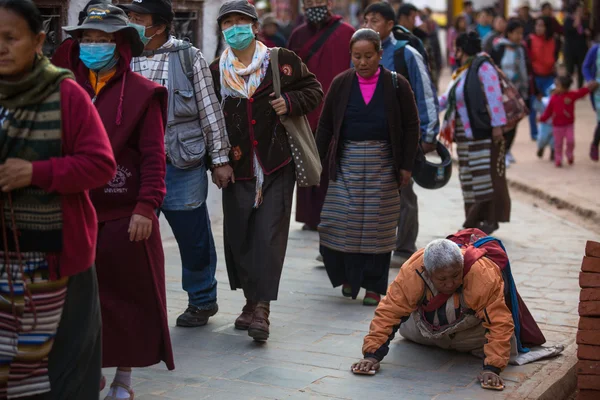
458 294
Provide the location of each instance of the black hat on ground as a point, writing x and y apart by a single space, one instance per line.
110 19
161 8
237 7
429 175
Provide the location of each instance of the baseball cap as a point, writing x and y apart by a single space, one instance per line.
239 7
162 8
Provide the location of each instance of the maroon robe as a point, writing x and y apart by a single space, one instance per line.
131 275
332 59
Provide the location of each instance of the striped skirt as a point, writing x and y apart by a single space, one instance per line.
30 311
362 205
482 173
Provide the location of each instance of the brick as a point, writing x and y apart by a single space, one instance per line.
588 395
589 280
590 294
592 249
589 308
588 337
589 324
590 264
588 382
585 352
585 367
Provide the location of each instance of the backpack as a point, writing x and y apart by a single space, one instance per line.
186 53
514 104
403 37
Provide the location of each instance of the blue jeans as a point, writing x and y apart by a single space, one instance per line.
542 83
185 209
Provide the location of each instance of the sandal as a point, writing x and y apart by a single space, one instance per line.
117 384
371 299
347 290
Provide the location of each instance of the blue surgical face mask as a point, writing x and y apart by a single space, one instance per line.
239 37
98 57
142 32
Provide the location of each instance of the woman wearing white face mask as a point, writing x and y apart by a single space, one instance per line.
257 206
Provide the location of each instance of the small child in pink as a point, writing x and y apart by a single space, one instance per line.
561 109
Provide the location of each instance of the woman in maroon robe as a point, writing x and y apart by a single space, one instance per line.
130 259
322 44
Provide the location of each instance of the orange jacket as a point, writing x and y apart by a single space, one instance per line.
483 291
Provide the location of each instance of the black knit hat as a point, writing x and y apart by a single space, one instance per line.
160 8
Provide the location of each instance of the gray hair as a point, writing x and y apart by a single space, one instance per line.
368 35
441 254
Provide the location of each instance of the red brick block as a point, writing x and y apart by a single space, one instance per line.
588 368
592 249
588 337
585 352
589 324
588 382
589 280
590 264
589 308
590 294
588 395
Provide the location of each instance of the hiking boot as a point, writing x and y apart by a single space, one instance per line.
245 319
259 328
594 152
194 317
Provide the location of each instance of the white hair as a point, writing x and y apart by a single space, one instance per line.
442 254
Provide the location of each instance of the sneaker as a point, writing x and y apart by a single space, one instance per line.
540 153
320 258
558 164
347 290
194 317
510 158
371 299
594 152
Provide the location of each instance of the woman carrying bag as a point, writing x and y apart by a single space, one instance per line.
257 205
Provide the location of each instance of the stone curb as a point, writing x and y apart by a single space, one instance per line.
554 381
554 201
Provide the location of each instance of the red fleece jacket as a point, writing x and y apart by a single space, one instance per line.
87 163
562 107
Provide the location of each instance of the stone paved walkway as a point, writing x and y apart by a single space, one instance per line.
317 334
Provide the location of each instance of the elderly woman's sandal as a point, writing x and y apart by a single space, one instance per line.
361 372
489 387
120 385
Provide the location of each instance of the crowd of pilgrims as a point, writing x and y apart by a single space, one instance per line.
125 122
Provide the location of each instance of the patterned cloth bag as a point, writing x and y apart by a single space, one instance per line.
300 137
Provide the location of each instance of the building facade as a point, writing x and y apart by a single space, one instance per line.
194 19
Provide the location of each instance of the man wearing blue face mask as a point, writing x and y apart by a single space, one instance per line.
196 140
322 44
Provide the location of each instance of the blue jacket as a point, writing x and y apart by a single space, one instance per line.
420 82
590 68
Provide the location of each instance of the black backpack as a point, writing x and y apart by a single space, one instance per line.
403 37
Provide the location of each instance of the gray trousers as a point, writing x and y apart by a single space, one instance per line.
408 223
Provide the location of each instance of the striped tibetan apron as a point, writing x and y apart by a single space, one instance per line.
362 206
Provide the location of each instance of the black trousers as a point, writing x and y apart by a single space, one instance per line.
574 62
75 361
597 134
510 138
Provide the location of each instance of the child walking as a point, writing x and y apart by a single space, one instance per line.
561 109
545 137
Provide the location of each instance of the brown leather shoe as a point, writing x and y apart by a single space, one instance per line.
259 328
245 319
